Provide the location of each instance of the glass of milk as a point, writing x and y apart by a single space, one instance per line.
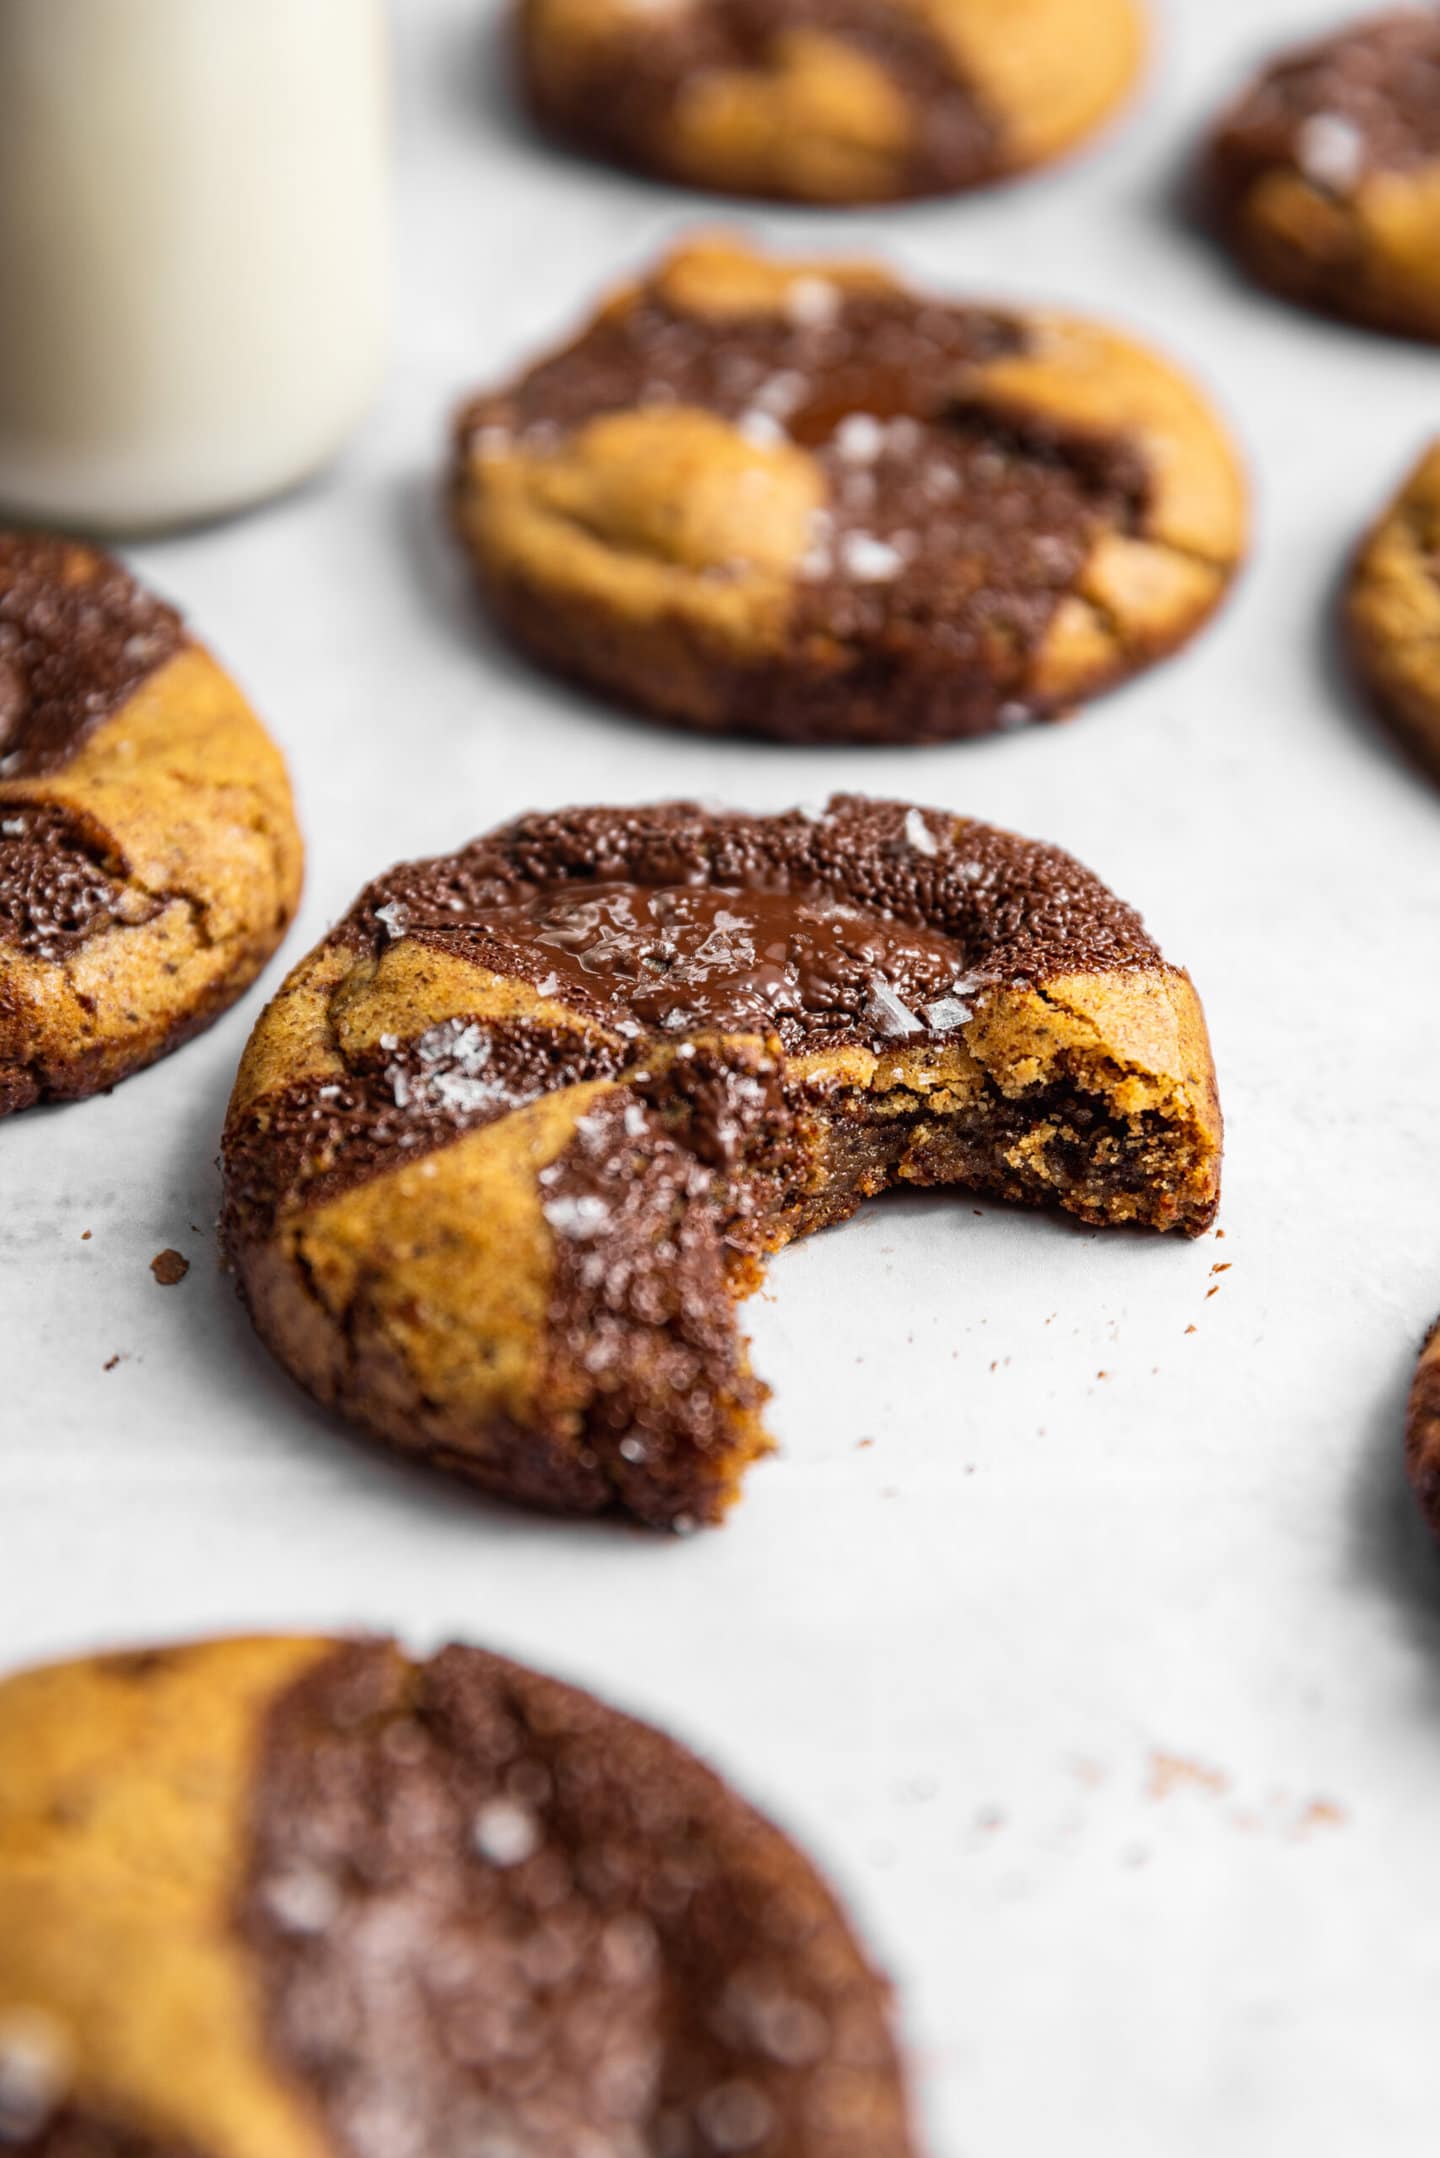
194 250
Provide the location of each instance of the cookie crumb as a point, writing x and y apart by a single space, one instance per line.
111 1361
85 1235
168 1267
1321 1813
1169 1773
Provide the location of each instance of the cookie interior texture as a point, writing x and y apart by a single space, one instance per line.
1326 174
828 101
508 1145
801 500
149 861
1393 611
292 1898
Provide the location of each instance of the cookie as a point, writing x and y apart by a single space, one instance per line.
149 860
508 1145
1392 611
1422 1430
1325 176
801 500
307 1899
828 101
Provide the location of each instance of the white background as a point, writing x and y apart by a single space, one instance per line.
950 1656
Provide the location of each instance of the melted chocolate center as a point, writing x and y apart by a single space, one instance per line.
677 958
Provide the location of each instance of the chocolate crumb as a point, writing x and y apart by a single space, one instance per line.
168 1267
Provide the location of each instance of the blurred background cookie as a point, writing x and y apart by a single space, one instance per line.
296 1898
1392 609
149 859
1325 176
798 499
510 1143
828 101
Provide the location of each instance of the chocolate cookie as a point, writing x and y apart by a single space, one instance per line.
149 860
307 1899
1325 176
509 1144
1393 611
801 500
1422 1430
828 101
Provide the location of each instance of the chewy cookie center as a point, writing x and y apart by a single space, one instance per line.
674 958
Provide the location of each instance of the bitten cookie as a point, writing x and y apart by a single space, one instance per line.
509 1144
828 101
307 1899
149 860
1325 177
1392 610
801 500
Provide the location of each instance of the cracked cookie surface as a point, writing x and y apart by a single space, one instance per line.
305 1898
510 1143
149 859
828 101
801 500
1392 611
1325 175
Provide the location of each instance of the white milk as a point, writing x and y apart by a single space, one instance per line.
193 250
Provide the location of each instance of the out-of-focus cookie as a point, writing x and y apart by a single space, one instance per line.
149 859
1325 176
1393 610
801 500
509 1144
300 1898
828 101
1422 1430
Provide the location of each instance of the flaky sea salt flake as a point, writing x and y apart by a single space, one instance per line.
859 439
36 2065
578 1218
869 560
812 303
1330 151
505 1834
945 1013
890 1014
760 430
918 833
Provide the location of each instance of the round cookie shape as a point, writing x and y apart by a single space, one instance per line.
800 500
509 1144
305 1898
1392 611
1325 175
828 101
149 858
